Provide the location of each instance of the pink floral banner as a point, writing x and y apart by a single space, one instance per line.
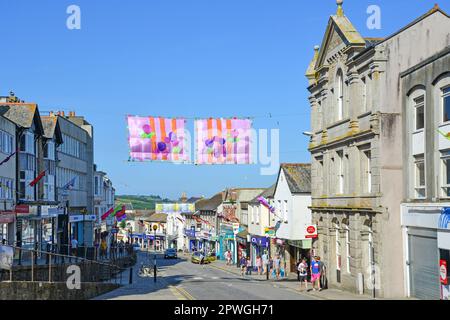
223 141
157 139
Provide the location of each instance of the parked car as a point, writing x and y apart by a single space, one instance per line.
136 247
196 258
170 254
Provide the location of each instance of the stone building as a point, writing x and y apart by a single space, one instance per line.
356 148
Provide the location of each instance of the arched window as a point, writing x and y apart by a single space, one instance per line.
340 94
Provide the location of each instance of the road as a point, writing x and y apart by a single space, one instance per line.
179 279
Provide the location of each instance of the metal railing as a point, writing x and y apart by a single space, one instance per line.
61 253
90 270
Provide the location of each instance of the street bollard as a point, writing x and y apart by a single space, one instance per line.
131 275
154 273
267 271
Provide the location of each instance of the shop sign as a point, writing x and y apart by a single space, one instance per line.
22 209
7 217
259 241
78 218
311 232
443 272
51 211
444 218
235 228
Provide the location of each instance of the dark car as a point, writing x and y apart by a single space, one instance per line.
170 254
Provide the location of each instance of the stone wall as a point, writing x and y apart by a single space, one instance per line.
52 291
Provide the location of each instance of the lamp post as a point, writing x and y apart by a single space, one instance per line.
154 257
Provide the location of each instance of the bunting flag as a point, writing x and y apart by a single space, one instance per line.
121 212
122 217
157 139
223 141
38 178
9 157
118 210
107 213
445 135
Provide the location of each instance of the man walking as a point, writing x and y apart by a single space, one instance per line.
74 246
323 274
303 273
315 273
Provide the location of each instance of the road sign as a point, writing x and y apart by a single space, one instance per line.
443 272
311 232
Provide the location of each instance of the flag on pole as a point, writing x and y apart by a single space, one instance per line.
122 217
69 185
8 157
38 178
107 213
121 212
118 211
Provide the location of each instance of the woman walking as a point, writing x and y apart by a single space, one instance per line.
249 267
243 264
303 273
259 264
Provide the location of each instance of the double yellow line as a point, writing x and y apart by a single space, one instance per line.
179 292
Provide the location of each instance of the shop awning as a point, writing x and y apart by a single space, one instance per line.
243 234
302 244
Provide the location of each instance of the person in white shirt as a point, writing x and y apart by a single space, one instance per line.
74 245
303 273
265 261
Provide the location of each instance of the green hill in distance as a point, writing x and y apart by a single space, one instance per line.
140 202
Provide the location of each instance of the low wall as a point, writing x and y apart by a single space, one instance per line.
52 291
90 271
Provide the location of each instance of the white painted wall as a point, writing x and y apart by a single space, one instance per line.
298 213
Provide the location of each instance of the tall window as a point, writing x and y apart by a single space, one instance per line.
419 108
338 249
445 168
286 210
347 248
6 143
446 104
340 95
364 94
340 172
419 185
366 170
319 175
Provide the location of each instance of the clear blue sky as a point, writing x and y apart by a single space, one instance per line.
194 58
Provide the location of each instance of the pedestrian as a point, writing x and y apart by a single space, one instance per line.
265 261
323 275
303 273
227 257
249 266
271 266
315 273
103 248
74 246
277 266
202 258
259 264
243 264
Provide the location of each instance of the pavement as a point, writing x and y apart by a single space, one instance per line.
179 279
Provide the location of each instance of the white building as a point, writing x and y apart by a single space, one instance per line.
104 194
292 198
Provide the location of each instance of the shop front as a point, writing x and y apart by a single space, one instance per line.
191 240
81 228
27 225
259 245
7 228
426 243
243 244
298 249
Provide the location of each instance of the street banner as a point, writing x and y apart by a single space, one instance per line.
223 141
6 257
175 208
157 139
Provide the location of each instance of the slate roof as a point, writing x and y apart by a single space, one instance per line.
51 128
268 193
298 176
210 204
22 114
157 217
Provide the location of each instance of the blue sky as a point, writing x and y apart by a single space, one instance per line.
193 58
